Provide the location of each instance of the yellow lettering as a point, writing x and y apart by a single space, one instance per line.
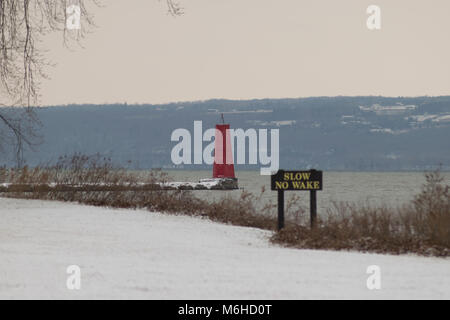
281 185
306 175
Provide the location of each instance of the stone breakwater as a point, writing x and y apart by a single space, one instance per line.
204 184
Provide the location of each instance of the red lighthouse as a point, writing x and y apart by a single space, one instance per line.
223 168
223 155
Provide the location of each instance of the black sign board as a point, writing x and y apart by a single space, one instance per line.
285 180
297 180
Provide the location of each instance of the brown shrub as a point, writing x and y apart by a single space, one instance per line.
95 170
421 227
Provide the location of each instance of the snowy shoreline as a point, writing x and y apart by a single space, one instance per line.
138 254
202 184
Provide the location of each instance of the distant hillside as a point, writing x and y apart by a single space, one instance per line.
331 133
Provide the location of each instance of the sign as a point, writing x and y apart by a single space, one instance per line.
297 180
285 180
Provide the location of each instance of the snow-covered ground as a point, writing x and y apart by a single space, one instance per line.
139 254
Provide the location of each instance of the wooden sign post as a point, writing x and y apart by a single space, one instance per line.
297 181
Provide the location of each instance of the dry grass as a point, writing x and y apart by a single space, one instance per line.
95 171
422 226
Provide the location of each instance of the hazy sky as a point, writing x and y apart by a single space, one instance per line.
240 49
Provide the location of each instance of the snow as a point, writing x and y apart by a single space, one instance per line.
386 110
388 130
424 117
444 118
139 254
207 183
432 117
234 111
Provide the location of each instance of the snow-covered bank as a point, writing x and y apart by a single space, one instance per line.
138 254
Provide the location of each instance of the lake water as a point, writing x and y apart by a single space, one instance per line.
377 188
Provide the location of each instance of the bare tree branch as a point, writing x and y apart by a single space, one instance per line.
22 24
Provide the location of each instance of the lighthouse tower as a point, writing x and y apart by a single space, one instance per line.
223 156
223 168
